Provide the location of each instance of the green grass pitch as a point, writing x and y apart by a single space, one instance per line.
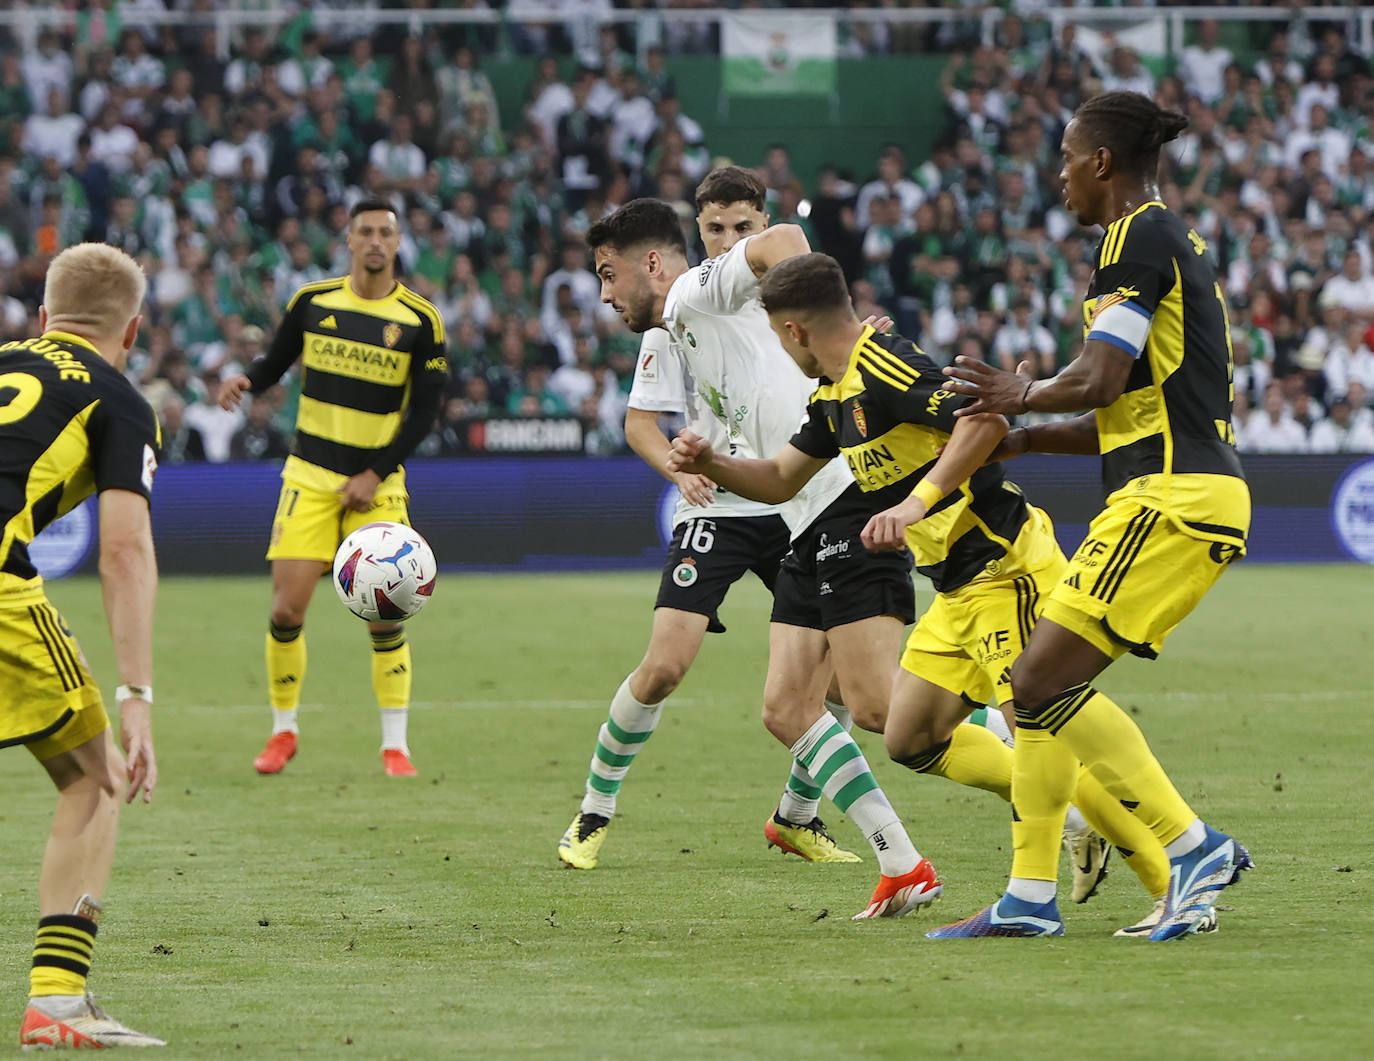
331 911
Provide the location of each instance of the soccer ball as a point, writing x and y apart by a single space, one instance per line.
384 572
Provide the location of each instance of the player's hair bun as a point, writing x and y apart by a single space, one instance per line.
1167 126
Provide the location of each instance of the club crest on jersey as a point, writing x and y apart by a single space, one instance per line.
391 334
860 418
1112 298
685 573
691 339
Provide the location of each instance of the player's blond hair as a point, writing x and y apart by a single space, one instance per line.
93 288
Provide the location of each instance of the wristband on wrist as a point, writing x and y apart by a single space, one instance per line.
928 492
134 692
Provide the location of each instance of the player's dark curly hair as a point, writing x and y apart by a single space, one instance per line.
640 221
807 282
731 184
1134 127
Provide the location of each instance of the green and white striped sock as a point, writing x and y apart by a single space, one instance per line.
830 755
624 732
801 798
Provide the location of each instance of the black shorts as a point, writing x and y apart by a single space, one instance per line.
708 556
829 578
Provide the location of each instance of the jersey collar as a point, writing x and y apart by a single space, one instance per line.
348 287
853 367
68 337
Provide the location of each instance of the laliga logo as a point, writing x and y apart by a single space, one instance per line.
64 545
1352 511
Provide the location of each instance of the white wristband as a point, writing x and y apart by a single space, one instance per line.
134 692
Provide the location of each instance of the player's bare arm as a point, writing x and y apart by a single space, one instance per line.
1093 380
771 481
1078 435
128 577
970 446
774 245
644 437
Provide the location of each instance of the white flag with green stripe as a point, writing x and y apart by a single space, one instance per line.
778 54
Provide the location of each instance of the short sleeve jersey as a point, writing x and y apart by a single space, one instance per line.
663 384
1167 440
743 376
888 416
70 426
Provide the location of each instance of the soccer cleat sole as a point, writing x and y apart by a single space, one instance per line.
92 1030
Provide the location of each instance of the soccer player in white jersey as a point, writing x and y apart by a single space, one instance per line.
718 538
833 600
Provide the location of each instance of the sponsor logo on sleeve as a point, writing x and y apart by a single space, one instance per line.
149 466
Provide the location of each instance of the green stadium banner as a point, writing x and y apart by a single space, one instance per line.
777 54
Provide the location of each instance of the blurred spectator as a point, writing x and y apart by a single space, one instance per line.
258 438
1203 65
1272 428
180 441
53 133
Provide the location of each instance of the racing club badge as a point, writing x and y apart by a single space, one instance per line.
685 573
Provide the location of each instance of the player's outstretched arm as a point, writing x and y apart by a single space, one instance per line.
1093 380
645 438
774 245
771 481
128 577
970 445
1078 435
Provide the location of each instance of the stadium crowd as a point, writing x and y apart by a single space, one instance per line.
231 182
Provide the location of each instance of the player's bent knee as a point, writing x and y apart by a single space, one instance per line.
1052 712
1032 683
783 717
657 678
868 712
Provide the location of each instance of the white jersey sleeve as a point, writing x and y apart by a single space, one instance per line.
721 286
660 380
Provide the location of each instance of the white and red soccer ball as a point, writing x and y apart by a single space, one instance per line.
384 572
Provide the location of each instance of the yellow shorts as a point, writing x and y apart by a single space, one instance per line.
1135 577
311 522
51 704
968 639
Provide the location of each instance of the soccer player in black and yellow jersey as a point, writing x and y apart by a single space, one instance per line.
991 555
1155 368
70 426
373 372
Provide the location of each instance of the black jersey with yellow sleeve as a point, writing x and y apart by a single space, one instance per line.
373 371
1167 440
70 425
889 415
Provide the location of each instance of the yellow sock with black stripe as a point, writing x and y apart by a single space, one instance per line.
1044 774
285 674
1108 743
1135 843
62 955
391 683
972 756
